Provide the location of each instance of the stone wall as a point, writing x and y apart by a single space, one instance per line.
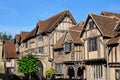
1 60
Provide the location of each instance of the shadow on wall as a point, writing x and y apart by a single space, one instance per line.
1 76
4 76
68 79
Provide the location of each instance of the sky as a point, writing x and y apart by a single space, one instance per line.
22 15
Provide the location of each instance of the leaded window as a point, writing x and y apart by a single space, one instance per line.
41 49
67 47
117 73
59 68
40 37
92 44
91 24
96 71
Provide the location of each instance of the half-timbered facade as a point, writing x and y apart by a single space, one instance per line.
114 55
41 39
96 32
1 61
89 50
68 55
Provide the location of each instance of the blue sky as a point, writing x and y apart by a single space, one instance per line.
22 15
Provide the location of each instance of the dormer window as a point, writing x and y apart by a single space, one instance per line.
67 47
91 24
40 37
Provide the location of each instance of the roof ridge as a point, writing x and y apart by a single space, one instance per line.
110 12
24 32
104 16
56 15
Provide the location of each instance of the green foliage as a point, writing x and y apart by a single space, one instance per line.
5 36
50 72
28 64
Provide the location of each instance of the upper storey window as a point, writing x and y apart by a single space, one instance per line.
92 44
26 45
41 49
40 37
91 24
67 47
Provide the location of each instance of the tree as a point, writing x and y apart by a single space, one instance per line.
28 65
50 73
4 36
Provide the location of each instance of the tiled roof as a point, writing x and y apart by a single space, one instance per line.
60 42
114 40
42 26
52 21
49 24
32 33
74 33
117 28
105 24
9 50
77 27
17 38
105 13
23 35
75 36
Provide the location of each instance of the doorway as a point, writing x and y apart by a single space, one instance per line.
71 72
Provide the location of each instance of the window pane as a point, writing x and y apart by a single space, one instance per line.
40 37
60 52
91 24
117 74
41 50
97 71
67 47
59 68
92 44
26 45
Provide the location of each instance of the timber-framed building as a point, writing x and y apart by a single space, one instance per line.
86 50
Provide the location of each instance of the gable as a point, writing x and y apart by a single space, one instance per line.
63 17
51 23
88 31
9 50
105 25
68 38
60 42
110 14
65 24
17 38
75 37
117 28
